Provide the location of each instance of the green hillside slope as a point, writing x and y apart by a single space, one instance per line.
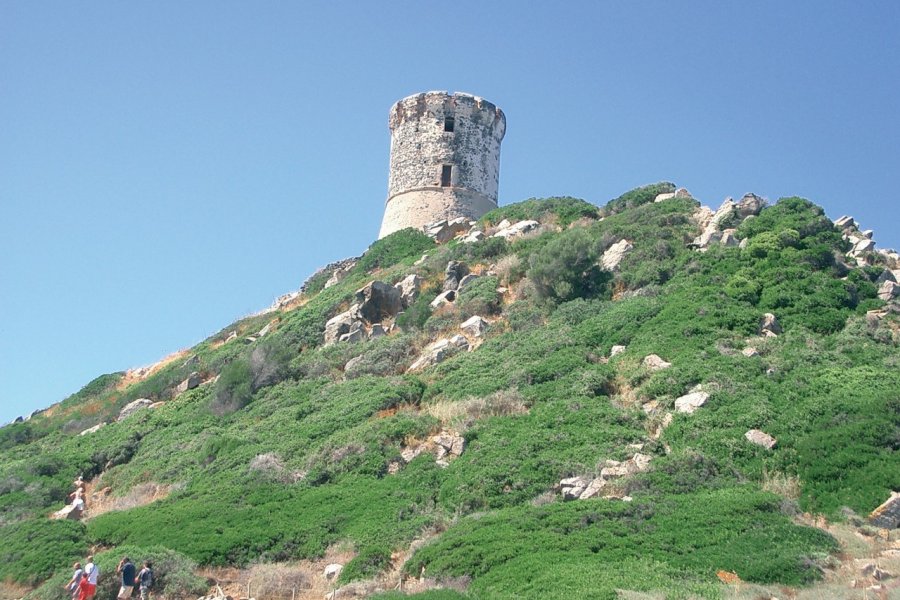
290 445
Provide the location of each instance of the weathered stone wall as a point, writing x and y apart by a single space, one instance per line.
420 148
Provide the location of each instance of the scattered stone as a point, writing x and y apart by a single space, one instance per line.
438 352
93 429
377 301
616 350
333 571
443 298
655 363
474 326
760 438
889 290
750 352
133 407
409 288
513 231
614 254
769 325
887 516
691 402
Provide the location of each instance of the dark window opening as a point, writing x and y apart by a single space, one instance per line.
446 173
449 123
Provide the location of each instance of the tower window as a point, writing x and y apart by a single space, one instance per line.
449 123
446 173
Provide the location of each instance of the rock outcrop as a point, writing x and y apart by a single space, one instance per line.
507 231
582 488
614 254
132 407
474 326
691 401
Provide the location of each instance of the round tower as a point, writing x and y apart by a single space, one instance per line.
445 159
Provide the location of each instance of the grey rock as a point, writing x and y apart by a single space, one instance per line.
845 222
93 429
516 230
728 239
340 324
356 333
616 350
664 197
438 352
453 274
377 331
887 515
750 352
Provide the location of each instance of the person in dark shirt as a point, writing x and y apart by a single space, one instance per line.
126 568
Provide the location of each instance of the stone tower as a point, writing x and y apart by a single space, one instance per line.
445 159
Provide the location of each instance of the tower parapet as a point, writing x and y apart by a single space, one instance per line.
445 159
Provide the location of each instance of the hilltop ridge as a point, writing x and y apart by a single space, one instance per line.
556 400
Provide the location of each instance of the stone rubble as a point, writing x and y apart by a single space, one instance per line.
582 488
509 231
655 363
711 222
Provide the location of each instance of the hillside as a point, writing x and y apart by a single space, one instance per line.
648 399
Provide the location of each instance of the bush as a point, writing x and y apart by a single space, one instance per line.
480 297
33 550
367 564
564 211
401 245
234 389
566 267
638 197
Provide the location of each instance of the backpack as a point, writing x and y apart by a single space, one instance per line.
147 578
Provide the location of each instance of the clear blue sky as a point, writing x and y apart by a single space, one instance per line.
168 167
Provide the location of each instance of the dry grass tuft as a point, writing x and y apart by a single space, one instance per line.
463 413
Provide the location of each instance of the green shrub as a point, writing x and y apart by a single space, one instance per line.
33 550
367 564
567 268
406 244
638 197
564 209
234 389
480 297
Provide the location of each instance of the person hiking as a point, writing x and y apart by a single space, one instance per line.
88 586
73 585
126 568
145 580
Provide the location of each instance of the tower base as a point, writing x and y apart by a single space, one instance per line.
420 207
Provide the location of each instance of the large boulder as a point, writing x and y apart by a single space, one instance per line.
614 255
409 287
444 231
133 407
443 298
378 301
845 222
749 205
